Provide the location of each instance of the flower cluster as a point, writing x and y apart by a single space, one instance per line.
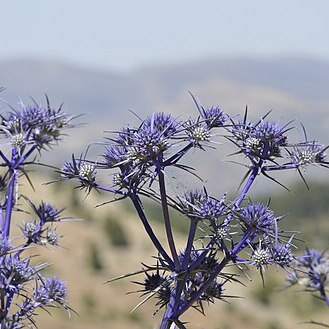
23 288
236 232
312 273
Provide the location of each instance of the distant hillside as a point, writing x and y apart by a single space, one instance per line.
226 81
292 87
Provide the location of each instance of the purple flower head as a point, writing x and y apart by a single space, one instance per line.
35 125
309 153
282 255
261 257
214 117
152 138
199 205
84 171
5 246
269 132
52 237
53 290
311 257
32 117
116 155
261 140
148 145
11 123
161 124
153 281
16 272
258 217
241 130
213 291
198 132
31 231
48 213
125 136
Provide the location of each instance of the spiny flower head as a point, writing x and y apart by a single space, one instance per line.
18 140
261 257
30 229
213 291
309 153
47 212
312 257
153 281
282 255
16 272
36 125
5 246
241 130
115 155
199 205
52 237
267 131
258 217
152 137
137 149
157 284
162 124
52 290
197 132
214 117
312 270
82 170
263 139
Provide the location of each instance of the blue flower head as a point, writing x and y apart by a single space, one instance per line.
199 205
214 117
282 255
5 246
52 290
308 153
258 217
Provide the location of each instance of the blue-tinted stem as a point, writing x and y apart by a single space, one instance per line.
9 204
137 204
25 156
10 296
166 219
282 167
107 189
4 158
324 294
247 186
167 317
181 278
189 244
255 171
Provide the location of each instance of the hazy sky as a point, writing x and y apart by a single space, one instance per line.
126 34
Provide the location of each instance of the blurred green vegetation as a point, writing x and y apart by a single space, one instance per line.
94 257
115 232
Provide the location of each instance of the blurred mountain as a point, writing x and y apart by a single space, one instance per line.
295 88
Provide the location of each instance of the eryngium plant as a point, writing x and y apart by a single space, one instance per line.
26 134
235 232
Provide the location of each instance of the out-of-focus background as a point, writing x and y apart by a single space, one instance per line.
108 58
